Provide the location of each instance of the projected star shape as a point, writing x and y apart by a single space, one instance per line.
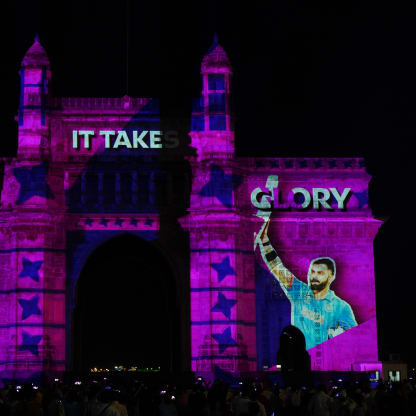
31 269
224 305
30 307
118 222
134 222
224 340
89 221
32 183
149 222
104 221
223 269
30 343
221 186
362 198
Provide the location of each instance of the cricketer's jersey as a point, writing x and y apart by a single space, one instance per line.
315 317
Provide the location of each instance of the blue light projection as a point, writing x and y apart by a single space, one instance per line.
224 340
31 269
362 198
104 221
134 222
32 183
221 185
30 343
224 305
272 315
30 307
223 269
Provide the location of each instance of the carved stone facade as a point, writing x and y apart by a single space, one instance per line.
58 204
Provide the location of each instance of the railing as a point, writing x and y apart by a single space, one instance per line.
102 103
129 191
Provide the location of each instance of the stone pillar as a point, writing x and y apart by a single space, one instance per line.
223 315
32 238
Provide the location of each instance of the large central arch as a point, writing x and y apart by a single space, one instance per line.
125 309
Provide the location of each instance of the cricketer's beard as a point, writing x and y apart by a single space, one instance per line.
315 285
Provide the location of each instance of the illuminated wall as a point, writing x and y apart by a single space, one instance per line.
238 308
59 203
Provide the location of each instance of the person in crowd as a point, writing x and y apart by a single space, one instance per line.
320 402
167 406
251 398
72 404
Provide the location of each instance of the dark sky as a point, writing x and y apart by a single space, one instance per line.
308 81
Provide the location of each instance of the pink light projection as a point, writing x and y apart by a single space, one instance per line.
237 307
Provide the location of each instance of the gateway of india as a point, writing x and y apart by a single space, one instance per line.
191 204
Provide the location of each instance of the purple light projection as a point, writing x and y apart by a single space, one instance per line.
39 220
237 308
320 209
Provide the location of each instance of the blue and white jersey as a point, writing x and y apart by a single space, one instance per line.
315 317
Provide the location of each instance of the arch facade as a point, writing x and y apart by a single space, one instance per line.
194 203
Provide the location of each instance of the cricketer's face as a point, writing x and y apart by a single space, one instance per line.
320 277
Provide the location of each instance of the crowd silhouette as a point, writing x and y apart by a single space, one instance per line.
259 397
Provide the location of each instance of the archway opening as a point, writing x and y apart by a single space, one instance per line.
126 312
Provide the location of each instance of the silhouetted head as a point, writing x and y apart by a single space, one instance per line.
292 338
321 387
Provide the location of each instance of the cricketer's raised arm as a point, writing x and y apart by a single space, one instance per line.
272 260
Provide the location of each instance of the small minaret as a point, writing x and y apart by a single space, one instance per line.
35 76
211 128
214 224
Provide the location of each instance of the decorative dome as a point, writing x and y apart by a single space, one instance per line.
36 55
216 60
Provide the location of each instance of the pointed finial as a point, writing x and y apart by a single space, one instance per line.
215 43
216 59
35 55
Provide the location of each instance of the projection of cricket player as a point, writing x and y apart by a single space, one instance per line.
315 309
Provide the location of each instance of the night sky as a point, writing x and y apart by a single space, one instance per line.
308 81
